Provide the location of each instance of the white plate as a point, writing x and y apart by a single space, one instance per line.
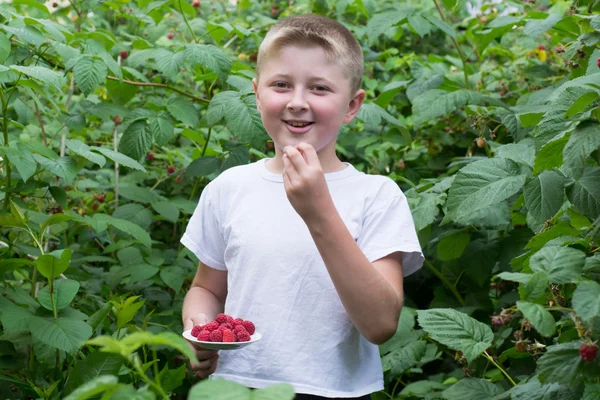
221 345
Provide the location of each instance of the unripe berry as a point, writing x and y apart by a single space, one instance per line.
480 142
196 3
117 120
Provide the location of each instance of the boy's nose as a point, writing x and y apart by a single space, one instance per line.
297 101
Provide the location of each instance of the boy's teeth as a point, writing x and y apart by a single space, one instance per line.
298 123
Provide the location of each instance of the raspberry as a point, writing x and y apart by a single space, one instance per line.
237 321
227 325
216 336
196 330
598 62
221 318
497 321
230 319
204 336
228 336
243 336
150 156
249 327
588 352
124 55
211 326
222 328
238 329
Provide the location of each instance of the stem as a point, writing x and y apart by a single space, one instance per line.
163 85
51 282
445 281
149 381
6 163
187 23
39 118
156 373
491 359
462 56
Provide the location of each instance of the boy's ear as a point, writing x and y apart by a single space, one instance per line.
354 106
255 86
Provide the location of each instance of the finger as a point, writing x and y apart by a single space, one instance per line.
296 158
309 153
204 363
205 373
289 169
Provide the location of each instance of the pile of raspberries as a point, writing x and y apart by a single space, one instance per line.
224 329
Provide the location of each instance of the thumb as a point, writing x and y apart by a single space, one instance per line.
196 319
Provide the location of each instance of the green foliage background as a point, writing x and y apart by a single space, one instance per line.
116 114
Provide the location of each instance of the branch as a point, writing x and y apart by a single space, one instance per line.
163 85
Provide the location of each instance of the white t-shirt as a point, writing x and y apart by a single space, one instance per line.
245 224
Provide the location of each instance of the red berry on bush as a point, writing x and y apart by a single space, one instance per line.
541 47
497 321
95 206
598 62
117 120
170 36
124 54
588 352
196 3
100 198
150 157
170 169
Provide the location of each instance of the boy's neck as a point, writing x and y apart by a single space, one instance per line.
275 165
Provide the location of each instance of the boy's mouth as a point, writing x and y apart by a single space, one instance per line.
298 124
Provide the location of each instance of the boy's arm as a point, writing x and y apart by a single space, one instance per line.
206 297
371 293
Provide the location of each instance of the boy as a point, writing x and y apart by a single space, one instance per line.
305 246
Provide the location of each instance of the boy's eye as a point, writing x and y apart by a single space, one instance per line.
319 88
280 85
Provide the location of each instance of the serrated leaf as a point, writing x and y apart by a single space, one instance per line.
561 363
383 22
42 74
534 390
544 195
63 167
110 62
592 392
535 27
119 158
85 151
140 194
436 103
539 317
210 57
585 193
563 264
482 184
471 389
4 47
203 166
425 208
584 140
161 129
535 289
167 210
126 227
452 246
22 159
51 265
419 24
64 292
14 319
91 389
457 331
515 277
441 25
63 334
173 277
551 154
518 152
27 34
586 300
89 73
169 63
95 364
183 110
406 357
136 140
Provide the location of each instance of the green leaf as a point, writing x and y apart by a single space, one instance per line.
89 73
539 317
51 265
22 159
515 277
120 158
183 110
583 142
278 391
452 246
586 300
419 24
424 207
96 318
404 358
561 363
110 62
136 140
59 194
91 389
563 264
534 290
161 129
63 334
64 293
127 227
239 111
471 389
585 193
42 74
536 27
441 25
4 47
382 23
219 389
28 34
63 167
592 391
583 101
173 277
210 57
544 195
169 63
14 319
170 379
518 152
551 154
534 390
482 184
140 194
126 312
167 210
91 367
203 166
457 331
436 103
85 151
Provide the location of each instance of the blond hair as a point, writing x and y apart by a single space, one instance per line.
310 30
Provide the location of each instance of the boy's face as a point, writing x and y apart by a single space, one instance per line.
302 97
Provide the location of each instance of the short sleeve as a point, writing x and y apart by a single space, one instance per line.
203 235
389 227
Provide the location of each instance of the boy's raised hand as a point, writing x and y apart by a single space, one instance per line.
305 184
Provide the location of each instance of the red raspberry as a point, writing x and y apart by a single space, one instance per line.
170 36
230 319
221 318
204 336
237 321
216 336
497 321
227 325
243 336
170 169
541 47
196 330
150 156
124 55
598 62
239 328
228 336
211 326
588 352
249 327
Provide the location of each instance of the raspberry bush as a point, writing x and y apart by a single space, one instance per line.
115 116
